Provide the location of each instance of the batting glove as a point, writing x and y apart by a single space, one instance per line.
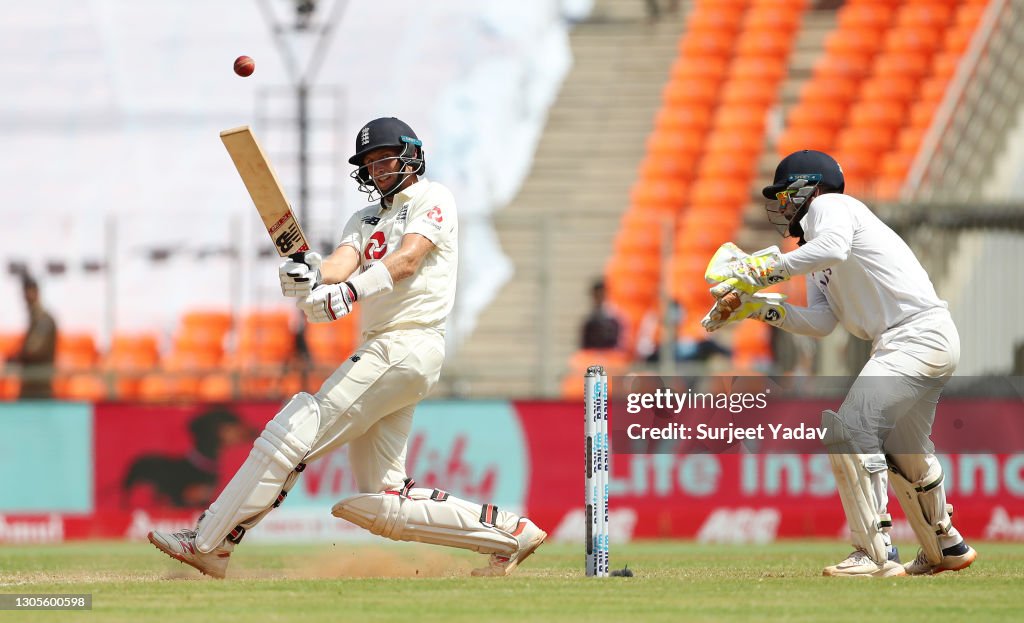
747 274
299 278
737 306
327 303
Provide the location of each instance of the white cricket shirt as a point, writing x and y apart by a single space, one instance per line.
426 298
867 274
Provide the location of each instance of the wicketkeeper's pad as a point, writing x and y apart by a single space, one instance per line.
854 473
923 504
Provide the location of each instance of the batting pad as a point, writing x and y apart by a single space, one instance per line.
924 504
424 517
255 487
854 473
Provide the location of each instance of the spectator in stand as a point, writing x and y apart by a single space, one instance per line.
38 347
602 329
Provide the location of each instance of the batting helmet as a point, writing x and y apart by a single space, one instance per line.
387 132
816 167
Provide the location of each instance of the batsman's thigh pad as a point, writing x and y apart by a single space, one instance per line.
923 502
860 479
427 516
255 487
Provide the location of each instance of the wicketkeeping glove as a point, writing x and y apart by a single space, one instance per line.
327 303
736 306
297 278
744 273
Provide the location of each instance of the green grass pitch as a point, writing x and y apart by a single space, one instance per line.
675 581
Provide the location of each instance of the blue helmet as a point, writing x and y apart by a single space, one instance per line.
817 167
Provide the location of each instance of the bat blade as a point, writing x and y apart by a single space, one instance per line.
266 192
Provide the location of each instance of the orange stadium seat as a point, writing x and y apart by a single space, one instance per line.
901 66
683 118
76 351
739 143
10 386
909 138
87 387
958 39
825 114
766 68
705 44
675 144
771 18
945 64
933 90
925 15
661 166
749 118
216 387
156 387
858 43
751 345
865 138
708 69
718 19
847 66
912 39
724 166
748 91
763 42
922 113
885 114
690 92
832 90
856 15
879 89
796 138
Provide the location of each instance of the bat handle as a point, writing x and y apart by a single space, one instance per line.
298 258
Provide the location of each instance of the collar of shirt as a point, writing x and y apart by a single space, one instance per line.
410 193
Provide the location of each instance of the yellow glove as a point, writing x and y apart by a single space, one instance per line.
732 270
736 306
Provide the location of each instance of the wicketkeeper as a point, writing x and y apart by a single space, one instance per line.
860 273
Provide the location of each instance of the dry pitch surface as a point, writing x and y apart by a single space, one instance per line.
674 581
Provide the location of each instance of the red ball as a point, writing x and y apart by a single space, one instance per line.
244 66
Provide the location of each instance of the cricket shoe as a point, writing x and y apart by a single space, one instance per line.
182 546
859 564
955 558
529 537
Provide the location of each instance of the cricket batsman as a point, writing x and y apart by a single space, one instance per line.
398 260
860 273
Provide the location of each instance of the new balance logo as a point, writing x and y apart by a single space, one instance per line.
371 220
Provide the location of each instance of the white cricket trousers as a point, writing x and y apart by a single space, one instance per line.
891 407
369 401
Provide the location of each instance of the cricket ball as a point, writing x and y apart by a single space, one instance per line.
244 66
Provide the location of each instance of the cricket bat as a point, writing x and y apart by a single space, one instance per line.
266 192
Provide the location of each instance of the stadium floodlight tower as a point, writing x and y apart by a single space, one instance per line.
302 29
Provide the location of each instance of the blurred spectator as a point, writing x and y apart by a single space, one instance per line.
654 8
189 481
602 329
38 347
696 347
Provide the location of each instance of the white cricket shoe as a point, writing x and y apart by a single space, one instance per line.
529 536
859 564
955 558
182 546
